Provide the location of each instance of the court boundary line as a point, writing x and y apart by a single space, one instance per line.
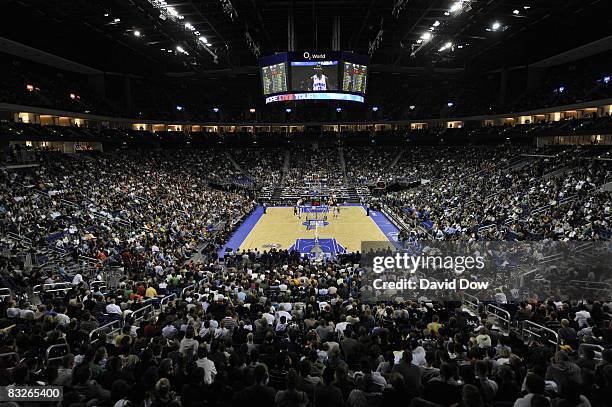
239 235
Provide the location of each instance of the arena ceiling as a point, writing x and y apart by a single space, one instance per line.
144 36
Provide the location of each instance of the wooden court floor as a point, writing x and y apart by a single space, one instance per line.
279 228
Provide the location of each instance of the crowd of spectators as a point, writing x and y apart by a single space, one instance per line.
272 329
311 165
123 207
267 326
369 164
265 165
500 194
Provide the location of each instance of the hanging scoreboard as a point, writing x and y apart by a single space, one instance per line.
314 75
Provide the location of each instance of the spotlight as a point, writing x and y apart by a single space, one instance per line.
446 46
288 110
30 88
426 36
137 33
179 108
606 79
450 104
437 23
516 12
496 26
561 89
117 20
216 109
252 110
105 14
412 107
455 7
338 109
375 109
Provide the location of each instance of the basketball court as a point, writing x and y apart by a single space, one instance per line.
317 226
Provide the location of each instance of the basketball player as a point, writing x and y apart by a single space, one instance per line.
318 81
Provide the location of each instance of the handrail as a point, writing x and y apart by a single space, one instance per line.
10 354
37 288
189 287
103 327
501 315
164 301
59 290
536 330
17 236
470 302
5 292
56 346
597 348
88 259
97 284
591 285
141 311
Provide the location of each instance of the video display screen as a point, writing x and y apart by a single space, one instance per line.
314 76
274 78
354 77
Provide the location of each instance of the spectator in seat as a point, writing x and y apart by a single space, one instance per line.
410 373
471 397
535 387
291 397
189 346
566 333
378 381
562 371
83 385
328 394
210 371
258 394
488 388
444 389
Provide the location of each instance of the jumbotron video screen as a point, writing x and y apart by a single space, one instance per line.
314 75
